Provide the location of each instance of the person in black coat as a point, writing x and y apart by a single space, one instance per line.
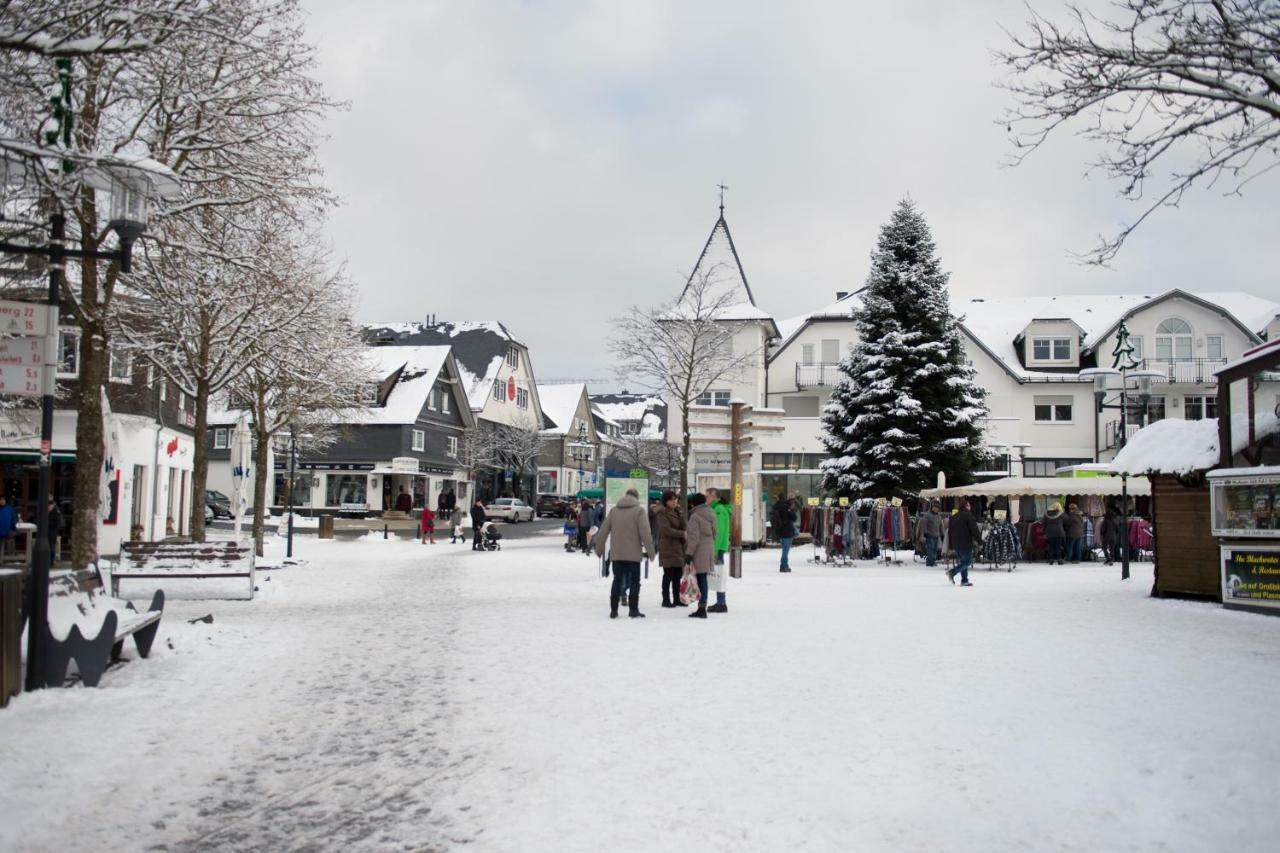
783 521
478 518
963 534
55 527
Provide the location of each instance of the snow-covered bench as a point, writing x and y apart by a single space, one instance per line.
87 625
174 560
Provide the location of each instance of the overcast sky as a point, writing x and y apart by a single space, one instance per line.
550 164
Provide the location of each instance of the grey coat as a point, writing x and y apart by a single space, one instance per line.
931 524
700 539
627 525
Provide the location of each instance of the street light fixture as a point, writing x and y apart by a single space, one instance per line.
132 183
1135 380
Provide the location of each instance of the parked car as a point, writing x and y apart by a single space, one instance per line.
218 502
208 513
552 506
509 509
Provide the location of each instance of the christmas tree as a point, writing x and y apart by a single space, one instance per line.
907 405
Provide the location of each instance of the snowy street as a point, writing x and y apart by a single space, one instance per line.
390 695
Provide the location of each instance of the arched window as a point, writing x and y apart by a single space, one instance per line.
1173 340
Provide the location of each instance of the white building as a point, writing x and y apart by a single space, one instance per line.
571 454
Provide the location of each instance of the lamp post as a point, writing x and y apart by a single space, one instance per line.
293 474
1140 382
130 187
579 449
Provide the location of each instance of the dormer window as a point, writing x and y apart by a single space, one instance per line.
1051 349
370 396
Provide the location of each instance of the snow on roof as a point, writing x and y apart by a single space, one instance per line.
646 409
479 346
995 323
1173 446
419 368
1260 353
560 404
842 308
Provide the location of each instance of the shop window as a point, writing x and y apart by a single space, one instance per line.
344 489
220 438
419 440
301 489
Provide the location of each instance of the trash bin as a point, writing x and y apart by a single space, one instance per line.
10 634
326 527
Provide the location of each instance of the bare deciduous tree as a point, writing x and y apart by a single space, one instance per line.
515 447
1177 92
66 28
681 350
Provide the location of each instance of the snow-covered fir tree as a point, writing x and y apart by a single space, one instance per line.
906 406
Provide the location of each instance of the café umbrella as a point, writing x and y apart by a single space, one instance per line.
241 467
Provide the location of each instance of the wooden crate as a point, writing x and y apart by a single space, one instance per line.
10 634
1186 551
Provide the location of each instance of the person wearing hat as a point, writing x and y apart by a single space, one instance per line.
1074 524
931 526
1055 531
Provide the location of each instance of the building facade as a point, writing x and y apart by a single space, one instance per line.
571 455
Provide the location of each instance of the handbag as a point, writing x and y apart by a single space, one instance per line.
689 594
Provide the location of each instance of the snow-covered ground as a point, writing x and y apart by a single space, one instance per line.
390 695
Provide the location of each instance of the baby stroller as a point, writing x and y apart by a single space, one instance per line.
491 540
571 534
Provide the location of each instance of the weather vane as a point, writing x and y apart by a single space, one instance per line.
722 187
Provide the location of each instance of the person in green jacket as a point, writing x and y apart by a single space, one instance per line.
724 512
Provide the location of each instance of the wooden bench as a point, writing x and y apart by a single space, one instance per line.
89 626
174 560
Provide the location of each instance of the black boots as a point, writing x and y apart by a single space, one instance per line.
700 613
613 607
718 607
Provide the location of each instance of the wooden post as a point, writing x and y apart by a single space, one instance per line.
1224 422
735 487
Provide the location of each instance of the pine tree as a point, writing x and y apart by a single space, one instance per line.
907 405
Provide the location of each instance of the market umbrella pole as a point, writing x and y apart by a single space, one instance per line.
1124 527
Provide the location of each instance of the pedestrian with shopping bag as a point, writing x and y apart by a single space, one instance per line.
670 525
700 549
625 532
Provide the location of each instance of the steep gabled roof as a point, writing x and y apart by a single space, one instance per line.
479 348
720 265
649 410
415 369
559 405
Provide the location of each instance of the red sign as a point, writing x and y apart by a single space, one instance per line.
511 387
172 447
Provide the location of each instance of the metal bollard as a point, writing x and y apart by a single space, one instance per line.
384 531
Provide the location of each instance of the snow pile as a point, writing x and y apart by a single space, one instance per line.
1173 446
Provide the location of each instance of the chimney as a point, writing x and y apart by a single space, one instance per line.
841 294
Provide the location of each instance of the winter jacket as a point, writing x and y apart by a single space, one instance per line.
1111 529
8 520
446 502
931 524
1074 524
963 532
428 519
1055 525
627 528
478 515
404 502
723 512
700 539
671 534
597 514
585 515
783 520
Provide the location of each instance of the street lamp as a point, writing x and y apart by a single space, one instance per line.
1021 447
293 464
579 449
131 185
1138 381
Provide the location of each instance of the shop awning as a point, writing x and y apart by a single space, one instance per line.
1048 486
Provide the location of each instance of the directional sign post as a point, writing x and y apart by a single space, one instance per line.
30 319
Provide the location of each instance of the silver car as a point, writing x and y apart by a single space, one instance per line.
509 509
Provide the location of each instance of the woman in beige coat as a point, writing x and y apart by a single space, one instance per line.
700 548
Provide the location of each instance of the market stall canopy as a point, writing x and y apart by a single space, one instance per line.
1174 446
1049 486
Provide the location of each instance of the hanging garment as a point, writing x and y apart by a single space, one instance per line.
1001 544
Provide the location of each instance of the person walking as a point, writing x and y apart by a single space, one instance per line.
1074 524
478 518
626 531
454 514
669 530
55 529
963 533
1055 531
783 521
584 526
1111 533
8 521
428 525
931 526
700 548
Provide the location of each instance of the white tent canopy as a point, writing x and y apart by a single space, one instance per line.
1050 486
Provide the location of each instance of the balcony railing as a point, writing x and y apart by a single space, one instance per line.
1112 434
817 373
1193 371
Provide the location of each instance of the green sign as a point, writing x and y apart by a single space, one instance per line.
616 487
1251 576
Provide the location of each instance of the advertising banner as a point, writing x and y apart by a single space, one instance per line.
1251 576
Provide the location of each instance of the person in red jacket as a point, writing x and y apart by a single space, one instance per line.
428 525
